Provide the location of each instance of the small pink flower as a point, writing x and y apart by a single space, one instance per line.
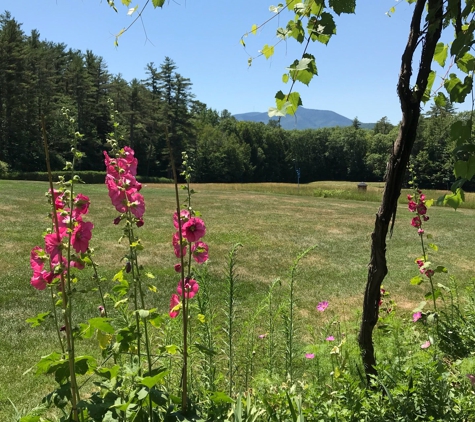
199 251
40 279
191 288
176 246
184 216
262 336
81 205
37 262
322 306
416 222
330 338
429 272
137 205
425 345
174 306
421 209
422 197
409 197
420 262
412 206
53 245
420 231
101 310
140 222
81 236
416 316
309 355
178 268
193 230
117 220
425 217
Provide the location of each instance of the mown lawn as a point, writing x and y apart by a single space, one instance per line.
273 222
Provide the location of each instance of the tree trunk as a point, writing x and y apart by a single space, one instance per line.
410 99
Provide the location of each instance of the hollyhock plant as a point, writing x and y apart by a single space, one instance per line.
199 251
41 279
184 217
176 245
174 306
193 230
81 236
191 287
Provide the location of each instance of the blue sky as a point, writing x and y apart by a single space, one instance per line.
358 69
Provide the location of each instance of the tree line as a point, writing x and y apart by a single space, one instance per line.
41 78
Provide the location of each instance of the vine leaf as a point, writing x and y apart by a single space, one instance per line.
343 6
457 89
303 70
268 51
440 54
158 3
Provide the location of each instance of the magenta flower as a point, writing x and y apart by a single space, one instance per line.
309 355
178 268
416 222
36 261
174 306
140 222
330 338
137 206
412 206
420 231
53 245
322 306
262 336
425 345
416 316
81 236
176 245
184 216
81 205
40 279
193 230
421 208
191 288
199 251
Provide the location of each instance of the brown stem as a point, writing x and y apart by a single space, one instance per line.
410 99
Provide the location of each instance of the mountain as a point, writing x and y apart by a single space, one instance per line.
305 118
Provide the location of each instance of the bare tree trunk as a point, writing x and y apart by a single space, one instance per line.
410 99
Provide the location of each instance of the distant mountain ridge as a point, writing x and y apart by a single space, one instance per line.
305 118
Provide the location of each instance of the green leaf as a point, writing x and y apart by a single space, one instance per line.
143 313
149 275
433 246
430 82
254 29
440 99
275 112
220 397
268 51
343 6
291 4
470 167
460 131
85 365
153 381
158 3
420 307
457 89
171 349
38 319
460 169
432 295
303 70
415 281
285 78
101 324
466 63
295 30
440 54
454 200
30 418
321 29
126 2
287 104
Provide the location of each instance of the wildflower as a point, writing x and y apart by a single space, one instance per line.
175 305
200 252
425 345
81 236
330 338
416 222
184 217
412 206
309 355
191 288
101 310
322 306
194 229
416 316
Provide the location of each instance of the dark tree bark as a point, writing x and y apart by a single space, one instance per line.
410 99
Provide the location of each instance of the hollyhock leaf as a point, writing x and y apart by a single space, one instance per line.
441 269
420 307
143 313
415 281
171 349
149 275
150 382
201 318
152 288
101 324
432 295
433 246
38 319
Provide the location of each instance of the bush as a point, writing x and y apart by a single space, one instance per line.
3 169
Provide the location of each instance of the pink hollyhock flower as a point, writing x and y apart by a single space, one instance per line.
37 262
81 205
199 251
54 245
77 262
193 230
177 268
421 209
309 355
184 216
425 345
40 279
116 194
322 306
429 272
409 197
420 262
81 236
416 316
191 288
137 205
416 222
131 160
117 220
420 231
176 246
140 222
330 338
174 306
412 206
425 217
422 197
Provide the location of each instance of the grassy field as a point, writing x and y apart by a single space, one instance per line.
273 222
